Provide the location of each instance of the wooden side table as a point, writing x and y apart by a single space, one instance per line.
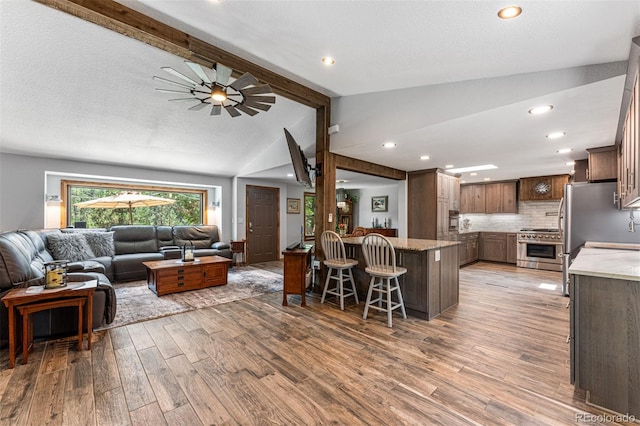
297 263
31 299
238 247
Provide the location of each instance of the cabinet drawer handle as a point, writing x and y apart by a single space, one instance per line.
180 271
180 284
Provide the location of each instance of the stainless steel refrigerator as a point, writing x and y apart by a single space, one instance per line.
589 213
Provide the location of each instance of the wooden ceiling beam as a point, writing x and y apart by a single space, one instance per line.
361 166
126 21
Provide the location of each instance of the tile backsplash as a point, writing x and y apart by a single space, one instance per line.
531 214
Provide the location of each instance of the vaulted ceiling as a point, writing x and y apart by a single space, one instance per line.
444 79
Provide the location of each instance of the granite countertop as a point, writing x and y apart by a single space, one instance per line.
413 244
470 231
607 263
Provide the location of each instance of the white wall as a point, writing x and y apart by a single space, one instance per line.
289 223
531 214
24 181
397 207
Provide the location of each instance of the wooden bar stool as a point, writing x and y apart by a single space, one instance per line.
381 265
336 260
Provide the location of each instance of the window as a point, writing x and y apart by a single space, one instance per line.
187 207
309 215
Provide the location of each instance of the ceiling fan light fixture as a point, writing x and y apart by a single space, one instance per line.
509 12
218 94
242 95
328 60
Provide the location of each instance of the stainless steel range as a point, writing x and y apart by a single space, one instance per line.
539 249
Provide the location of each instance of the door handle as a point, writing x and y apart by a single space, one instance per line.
250 227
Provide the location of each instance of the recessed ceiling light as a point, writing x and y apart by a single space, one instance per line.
564 150
463 181
509 12
425 157
328 60
487 178
341 181
569 163
473 174
448 166
540 109
389 145
556 135
473 168
289 174
572 172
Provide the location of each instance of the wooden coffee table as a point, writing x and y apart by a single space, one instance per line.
174 275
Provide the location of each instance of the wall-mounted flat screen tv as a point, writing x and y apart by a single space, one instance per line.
299 161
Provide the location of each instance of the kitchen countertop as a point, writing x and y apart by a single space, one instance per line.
413 244
607 263
470 231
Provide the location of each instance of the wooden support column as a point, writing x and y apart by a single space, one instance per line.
326 181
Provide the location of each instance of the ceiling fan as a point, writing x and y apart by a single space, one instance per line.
241 95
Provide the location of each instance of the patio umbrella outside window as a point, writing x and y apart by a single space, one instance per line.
125 200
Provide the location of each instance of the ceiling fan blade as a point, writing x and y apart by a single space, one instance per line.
180 75
222 74
175 83
232 111
256 90
246 109
199 106
245 80
263 99
199 71
257 105
216 109
185 99
173 91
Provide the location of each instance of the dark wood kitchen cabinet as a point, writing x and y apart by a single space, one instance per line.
468 248
603 164
512 248
543 188
430 199
500 197
493 246
472 198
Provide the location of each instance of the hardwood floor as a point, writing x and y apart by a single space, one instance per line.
499 357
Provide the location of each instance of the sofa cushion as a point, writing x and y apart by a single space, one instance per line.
165 235
201 236
129 239
71 247
101 243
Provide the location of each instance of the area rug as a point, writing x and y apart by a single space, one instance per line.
135 302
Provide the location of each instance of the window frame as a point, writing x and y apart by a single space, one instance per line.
66 185
311 236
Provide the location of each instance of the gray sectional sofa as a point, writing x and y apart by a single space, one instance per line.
108 255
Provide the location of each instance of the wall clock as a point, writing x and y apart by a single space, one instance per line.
542 188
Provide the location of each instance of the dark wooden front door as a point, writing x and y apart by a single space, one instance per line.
262 223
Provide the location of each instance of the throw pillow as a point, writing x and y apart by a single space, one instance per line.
71 247
101 243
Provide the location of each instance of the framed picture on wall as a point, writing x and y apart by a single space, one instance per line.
293 205
380 204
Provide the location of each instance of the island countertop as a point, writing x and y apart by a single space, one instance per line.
607 263
412 244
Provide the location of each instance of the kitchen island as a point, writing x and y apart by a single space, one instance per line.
605 327
430 285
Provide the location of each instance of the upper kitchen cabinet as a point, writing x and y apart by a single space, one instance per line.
496 197
500 197
472 198
543 188
431 195
628 135
603 164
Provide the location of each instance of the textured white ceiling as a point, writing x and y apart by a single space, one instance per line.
72 89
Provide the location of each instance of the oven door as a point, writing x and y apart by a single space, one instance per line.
539 255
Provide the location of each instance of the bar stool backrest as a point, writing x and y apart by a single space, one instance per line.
379 253
332 246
